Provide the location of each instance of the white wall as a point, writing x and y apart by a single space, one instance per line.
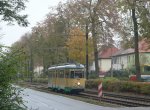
38 70
105 64
120 62
92 67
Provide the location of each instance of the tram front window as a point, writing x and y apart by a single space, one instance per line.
78 74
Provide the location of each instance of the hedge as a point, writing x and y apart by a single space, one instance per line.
38 80
115 85
41 80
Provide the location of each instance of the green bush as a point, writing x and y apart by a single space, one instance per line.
41 80
145 89
93 75
10 95
115 85
119 73
92 83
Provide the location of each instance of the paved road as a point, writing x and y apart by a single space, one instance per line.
37 100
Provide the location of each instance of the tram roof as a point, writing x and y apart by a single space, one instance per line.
68 66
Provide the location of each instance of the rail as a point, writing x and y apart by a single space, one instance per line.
109 97
121 99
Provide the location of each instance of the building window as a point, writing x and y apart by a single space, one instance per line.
129 59
146 68
114 60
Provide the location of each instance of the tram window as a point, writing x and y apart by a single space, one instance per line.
78 74
58 73
55 74
72 74
50 75
61 74
67 74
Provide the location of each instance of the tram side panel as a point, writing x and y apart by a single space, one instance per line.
49 80
65 80
52 79
60 80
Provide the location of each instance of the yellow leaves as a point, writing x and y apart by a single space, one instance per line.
77 45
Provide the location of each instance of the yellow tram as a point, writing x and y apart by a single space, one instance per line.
67 78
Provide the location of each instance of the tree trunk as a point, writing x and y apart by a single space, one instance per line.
31 64
87 58
95 47
137 63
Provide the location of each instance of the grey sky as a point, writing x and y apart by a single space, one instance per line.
36 11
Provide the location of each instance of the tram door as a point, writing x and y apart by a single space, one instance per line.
61 81
50 79
67 76
55 77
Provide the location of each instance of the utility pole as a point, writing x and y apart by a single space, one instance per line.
31 64
87 62
30 61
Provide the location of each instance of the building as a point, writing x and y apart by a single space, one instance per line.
38 70
104 60
125 59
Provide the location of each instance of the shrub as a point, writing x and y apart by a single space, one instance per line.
145 89
41 80
118 73
92 75
10 98
92 83
115 85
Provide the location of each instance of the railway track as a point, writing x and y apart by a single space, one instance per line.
114 98
120 99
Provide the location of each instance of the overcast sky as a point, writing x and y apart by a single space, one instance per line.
36 11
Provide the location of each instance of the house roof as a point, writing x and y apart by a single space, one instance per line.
108 52
143 47
123 52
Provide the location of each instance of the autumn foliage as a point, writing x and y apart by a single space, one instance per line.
77 46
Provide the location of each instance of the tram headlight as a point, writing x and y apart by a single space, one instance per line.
78 83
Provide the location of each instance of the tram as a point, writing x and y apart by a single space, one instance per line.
68 78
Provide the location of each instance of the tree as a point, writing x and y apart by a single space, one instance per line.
9 95
47 41
52 38
76 45
140 26
9 10
101 17
137 62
